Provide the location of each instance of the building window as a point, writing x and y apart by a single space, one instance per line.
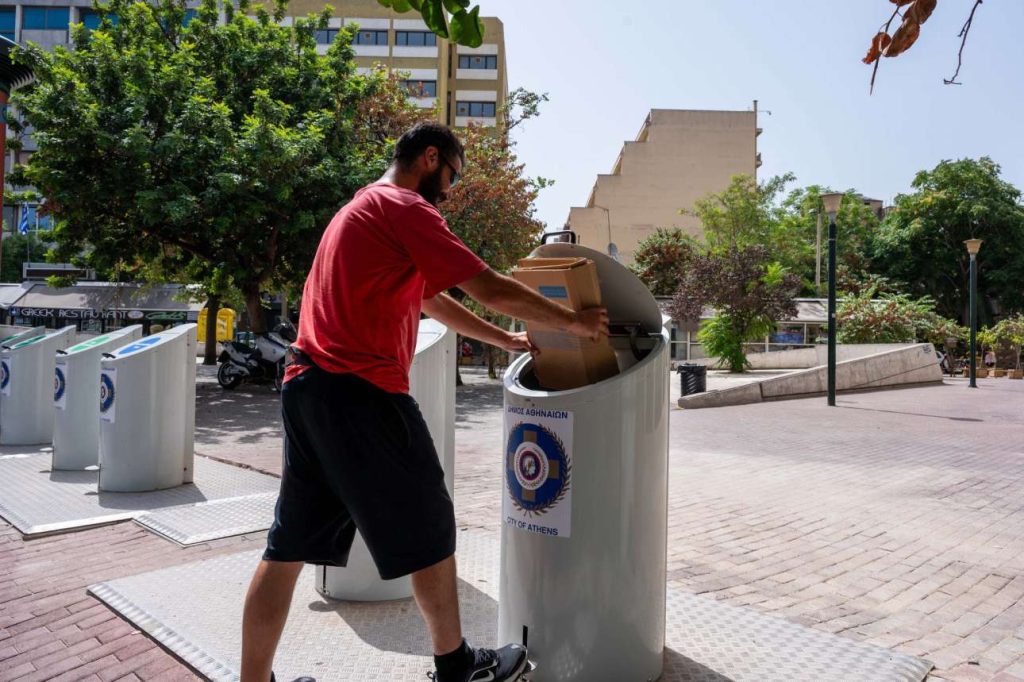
475 109
45 18
483 61
325 36
7 22
91 19
416 38
420 88
371 38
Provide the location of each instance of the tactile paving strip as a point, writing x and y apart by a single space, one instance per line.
195 610
207 521
39 501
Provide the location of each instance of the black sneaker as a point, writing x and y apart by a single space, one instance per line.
504 665
297 679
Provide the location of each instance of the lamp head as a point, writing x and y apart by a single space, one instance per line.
973 246
831 202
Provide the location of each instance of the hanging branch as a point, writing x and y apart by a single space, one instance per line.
963 36
878 45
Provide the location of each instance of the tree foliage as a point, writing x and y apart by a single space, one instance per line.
748 291
893 318
447 18
213 150
492 208
661 260
921 242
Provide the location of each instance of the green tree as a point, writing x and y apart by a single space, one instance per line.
920 243
749 293
215 149
803 221
18 249
492 208
660 260
893 318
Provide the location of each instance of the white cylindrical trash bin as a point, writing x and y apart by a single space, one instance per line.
432 384
26 399
585 495
147 412
76 427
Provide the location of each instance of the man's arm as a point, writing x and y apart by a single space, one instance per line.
453 314
510 297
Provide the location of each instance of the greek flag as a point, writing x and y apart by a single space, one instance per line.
23 225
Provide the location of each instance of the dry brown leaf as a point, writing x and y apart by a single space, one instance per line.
921 10
878 43
904 37
900 3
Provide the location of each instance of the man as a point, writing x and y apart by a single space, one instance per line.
357 452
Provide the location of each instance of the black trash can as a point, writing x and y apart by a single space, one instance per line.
692 378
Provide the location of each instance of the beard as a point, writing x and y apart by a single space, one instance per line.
430 187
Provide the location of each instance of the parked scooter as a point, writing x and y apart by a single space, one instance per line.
261 363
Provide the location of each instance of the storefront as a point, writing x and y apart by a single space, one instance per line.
97 307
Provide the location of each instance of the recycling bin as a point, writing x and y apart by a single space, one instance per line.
26 399
9 335
432 384
76 426
148 412
584 500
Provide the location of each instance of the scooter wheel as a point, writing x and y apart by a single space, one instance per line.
227 378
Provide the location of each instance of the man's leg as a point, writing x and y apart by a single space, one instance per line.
266 610
438 599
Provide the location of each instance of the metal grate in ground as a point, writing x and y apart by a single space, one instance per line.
39 501
195 611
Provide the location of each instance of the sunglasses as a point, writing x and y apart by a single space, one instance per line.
456 176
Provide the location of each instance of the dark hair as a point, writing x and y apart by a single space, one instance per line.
427 134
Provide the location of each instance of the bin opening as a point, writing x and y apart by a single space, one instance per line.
629 344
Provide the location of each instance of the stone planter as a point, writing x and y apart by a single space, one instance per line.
1015 373
998 373
981 372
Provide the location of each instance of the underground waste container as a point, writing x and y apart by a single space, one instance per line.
147 395
26 399
585 488
76 426
432 384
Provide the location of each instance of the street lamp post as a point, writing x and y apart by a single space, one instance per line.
831 202
973 246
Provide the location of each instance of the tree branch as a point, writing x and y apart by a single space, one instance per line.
884 28
963 36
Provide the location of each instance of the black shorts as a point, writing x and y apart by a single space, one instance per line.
358 457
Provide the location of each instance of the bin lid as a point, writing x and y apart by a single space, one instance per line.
627 299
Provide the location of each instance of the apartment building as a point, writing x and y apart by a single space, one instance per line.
678 157
466 84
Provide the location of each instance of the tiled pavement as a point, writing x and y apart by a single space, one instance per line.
896 518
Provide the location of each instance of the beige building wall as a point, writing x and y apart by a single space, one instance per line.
464 94
678 157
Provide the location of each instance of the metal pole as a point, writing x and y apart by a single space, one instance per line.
973 314
831 311
817 254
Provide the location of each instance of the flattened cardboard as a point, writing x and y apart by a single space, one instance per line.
566 361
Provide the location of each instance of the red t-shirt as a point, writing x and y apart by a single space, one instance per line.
383 253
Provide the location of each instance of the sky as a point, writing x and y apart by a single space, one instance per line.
605 64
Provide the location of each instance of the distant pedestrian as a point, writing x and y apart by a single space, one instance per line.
990 358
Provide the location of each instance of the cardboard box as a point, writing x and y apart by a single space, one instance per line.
566 361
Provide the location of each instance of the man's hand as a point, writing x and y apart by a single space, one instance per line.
591 323
518 342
